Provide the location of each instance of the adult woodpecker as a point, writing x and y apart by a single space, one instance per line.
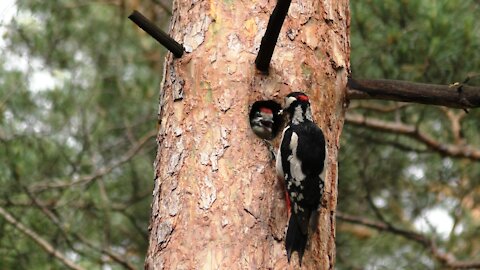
300 162
265 119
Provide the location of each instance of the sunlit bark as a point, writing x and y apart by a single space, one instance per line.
217 202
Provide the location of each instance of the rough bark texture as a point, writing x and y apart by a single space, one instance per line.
217 202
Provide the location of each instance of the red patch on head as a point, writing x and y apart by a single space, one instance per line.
266 110
302 98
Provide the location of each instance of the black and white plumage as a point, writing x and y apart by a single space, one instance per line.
300 162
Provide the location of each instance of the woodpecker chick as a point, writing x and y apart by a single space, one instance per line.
300 163
262 123
264 119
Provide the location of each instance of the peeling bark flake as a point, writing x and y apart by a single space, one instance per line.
311 38
173 204
213 57
234 43
261 26
302 11
164 231
178 89
214 161
208 193
155 205
173 164
194 34
225 101
251 219
292 34
224 132
224 221
177 83
338 61
204 158
178 132
328 12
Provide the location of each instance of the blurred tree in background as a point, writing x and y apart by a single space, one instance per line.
426 198
78 103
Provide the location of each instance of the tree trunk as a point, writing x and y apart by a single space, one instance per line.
217 203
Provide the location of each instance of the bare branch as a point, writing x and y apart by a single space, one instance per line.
457 151
55 220
390 142
446 259
380 108
382 226
455 96
455 124
269 40
100 172
157 33
44 207
38 239
115 257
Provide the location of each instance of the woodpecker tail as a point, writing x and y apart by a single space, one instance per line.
297 235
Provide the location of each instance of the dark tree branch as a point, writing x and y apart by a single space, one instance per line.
451 150
379 108
446 259
270 38
157 33
83 180
56 220
406 148
382 226
44 244
455 124
455 96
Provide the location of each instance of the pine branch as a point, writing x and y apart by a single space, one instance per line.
446 259
270 37
157 33
83 180
44 244
451 150
456 95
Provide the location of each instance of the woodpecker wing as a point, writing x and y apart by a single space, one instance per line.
310 148
302 156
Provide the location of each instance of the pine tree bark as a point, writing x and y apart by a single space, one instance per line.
217 203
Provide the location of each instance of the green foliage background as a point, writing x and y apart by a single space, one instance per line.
76 155
73 147
393 177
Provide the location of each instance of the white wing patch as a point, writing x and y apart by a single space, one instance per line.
278 163
295 163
